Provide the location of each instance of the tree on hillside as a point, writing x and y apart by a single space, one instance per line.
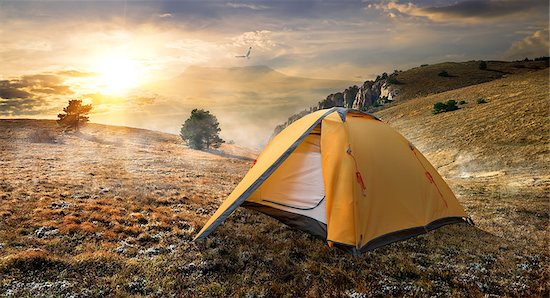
74 115
201 130
483 65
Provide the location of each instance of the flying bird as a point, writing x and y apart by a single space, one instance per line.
247 56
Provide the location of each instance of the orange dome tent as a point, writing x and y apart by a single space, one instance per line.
348 178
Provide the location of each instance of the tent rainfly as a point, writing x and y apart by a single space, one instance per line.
348 178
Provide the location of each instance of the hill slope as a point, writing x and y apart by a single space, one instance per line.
388 90
425 80
495 155
111 212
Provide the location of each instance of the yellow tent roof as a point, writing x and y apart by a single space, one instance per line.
378 188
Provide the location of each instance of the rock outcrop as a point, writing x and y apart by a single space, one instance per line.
350 95
368 94
371 94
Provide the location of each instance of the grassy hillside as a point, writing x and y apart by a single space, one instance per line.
425 80
495 155
112 211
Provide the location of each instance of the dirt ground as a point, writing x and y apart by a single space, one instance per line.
111 211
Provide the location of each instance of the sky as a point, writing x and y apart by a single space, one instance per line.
52 51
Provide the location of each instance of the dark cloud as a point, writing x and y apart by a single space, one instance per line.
31 94
22 106
30 85
9 90
196 15
246 5
470 10
16 104
488 8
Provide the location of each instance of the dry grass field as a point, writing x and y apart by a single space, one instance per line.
112 211
425 80
495 155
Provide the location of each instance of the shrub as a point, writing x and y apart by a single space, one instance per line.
201 130
42 136
424 65
394 81
441 107
483 65
481 100
444 73
382 77
462 102
451 105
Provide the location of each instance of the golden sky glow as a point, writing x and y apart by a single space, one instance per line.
130 58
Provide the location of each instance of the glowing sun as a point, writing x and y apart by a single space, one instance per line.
117 75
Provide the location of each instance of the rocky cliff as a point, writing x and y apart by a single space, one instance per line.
419 81
369 95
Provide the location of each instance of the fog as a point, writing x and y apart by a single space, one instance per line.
248 101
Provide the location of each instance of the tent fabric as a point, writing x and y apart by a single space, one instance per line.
297 185
276 151
347 177
295 220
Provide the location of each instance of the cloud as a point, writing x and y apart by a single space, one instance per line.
26 45
165 15
100 99
535 45
472 11
26 86
246 5
75 73
144 100
9 90
261 39
31 94
191 51
18 107
43 83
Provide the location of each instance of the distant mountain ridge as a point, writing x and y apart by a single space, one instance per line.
399 86
239 78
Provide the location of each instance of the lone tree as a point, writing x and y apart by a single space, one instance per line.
75 115
201 130
483 65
